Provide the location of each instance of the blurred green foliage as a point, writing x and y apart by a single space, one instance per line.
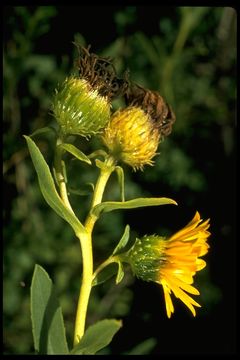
190 60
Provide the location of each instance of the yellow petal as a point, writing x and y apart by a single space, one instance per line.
201 264
168 300
186 299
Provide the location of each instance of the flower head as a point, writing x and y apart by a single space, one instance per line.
79 109
132 137
172 262
133 134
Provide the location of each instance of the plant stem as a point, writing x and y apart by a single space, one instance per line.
105 173
87 256
110 260
85 290
59 166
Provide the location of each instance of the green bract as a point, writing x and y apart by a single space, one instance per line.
146 257
79 109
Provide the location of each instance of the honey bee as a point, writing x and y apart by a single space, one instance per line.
154 104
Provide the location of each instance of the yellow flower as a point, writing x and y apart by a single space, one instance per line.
132 137
173 262
182 253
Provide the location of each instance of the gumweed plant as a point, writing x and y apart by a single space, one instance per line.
82 108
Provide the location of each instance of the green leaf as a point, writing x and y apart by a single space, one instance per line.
120 273
120 174
143 348
123 241
108 272
97 337
48 188
96 153
86 189
44 130
47 320
100 164
130 204
76 152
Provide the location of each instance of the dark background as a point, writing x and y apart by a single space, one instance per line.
189 56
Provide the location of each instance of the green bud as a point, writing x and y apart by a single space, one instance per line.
80 109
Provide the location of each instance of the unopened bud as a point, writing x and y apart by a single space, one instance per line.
132 137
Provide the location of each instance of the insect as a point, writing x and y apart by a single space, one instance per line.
154 104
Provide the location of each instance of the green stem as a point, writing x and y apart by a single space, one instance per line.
59 170
110 260
85 290
106 170
86 245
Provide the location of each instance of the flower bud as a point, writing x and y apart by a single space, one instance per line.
82 105
79 109
132 137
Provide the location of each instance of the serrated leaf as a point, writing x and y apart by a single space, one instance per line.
130 204
120 175
76 152
123 241
120 273
106 274
48 188
47 320
97 336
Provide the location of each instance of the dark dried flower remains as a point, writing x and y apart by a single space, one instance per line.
101 73
154 105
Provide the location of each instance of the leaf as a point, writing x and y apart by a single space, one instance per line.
120 174
143 348
47 320
48 188
96 153
76 152
86 189
97 337
100 164
44 130
130 204
120 273
123 241
108 272
111 269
